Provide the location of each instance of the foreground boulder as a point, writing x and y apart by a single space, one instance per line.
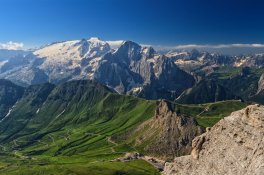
235 146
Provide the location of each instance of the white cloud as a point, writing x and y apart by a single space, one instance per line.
11 45
209 46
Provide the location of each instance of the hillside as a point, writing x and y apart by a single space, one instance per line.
70 122
243 82
9 95
167 134
225 83
206 91
85 124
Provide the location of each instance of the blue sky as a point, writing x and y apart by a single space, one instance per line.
157 22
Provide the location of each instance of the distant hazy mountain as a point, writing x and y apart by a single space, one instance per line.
7 54
195 60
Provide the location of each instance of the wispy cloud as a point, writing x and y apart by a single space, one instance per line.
220 46
11 45
209 46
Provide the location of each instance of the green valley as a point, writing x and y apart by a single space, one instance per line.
81 127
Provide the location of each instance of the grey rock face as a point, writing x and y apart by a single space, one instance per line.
139 71
234 146
168 133
261 84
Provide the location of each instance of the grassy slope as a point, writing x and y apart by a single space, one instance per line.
209 114
68 128
137 167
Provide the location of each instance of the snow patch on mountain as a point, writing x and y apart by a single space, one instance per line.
71 53
176 54
72 57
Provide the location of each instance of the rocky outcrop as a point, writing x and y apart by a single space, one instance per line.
168 134
261 83
259 96
234 146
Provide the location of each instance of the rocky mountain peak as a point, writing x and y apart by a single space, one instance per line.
149 52
95 39
129 50
163 108
97 47
235 145
172 132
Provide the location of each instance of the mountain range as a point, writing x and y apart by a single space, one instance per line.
130 68
102 107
